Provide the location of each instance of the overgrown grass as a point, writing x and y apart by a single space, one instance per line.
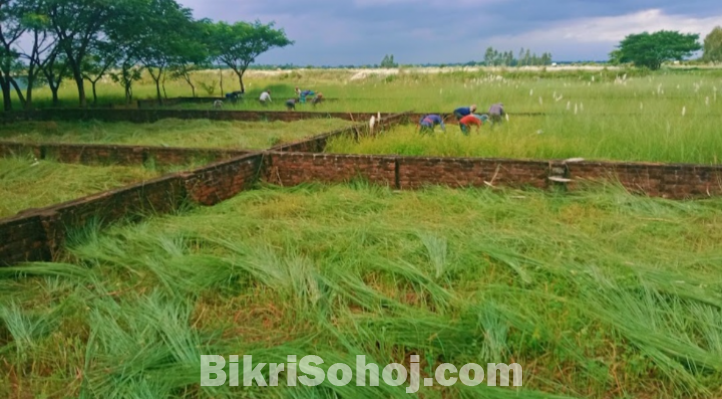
25 183
200 133
685 140
597 294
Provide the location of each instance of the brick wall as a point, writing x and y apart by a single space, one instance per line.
317 144
290 169
22 238
100 154
674 181
415 172
217 182
40 234
153 115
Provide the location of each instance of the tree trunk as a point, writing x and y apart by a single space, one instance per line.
80 82
29 90
222 93
18 91
240 79
56 100
165 94
95 94
157 90
7 101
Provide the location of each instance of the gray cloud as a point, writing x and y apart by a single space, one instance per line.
361 31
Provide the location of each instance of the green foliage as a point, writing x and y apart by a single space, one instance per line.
713 46
650 50
492 57
238 45
388 62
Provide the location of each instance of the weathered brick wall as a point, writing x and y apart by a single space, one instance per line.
674 181
415 172
214 183
22 238
317 144
290 169
153 115
40 234
101 154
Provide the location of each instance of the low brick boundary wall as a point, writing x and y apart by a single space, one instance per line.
154 115
317 144
169 102
104 154
40 234
673 181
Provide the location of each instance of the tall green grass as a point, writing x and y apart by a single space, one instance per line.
26 183
597 294
200 133
594 137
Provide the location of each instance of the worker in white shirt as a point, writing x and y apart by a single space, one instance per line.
265 97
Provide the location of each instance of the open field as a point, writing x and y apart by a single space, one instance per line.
26 184
593 137
172 132
597 294
668 116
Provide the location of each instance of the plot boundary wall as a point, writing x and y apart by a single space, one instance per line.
40 234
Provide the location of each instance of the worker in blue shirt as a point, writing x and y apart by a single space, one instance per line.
464 111
429 122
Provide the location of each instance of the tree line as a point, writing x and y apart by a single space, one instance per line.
48 41
651 50
493 57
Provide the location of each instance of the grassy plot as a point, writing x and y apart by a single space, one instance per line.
173 132
26 184
622 138
597 294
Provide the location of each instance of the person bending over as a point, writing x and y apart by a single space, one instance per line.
466 122
496 111
464 111
265 97
428 123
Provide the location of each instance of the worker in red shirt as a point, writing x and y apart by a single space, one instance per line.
471 119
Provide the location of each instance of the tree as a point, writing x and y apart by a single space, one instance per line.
652 49
238 45
55 69
489 56
195 55
41 46
165 37
11 29
79 24
101 58
388 62
713 46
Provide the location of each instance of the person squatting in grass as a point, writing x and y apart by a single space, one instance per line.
496 112
317 100
472 119
265 97
464 111
428 123
291 104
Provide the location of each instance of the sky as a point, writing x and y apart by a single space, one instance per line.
358 32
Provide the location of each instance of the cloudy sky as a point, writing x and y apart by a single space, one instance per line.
340 32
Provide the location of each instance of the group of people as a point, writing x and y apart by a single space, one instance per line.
303 95
466 118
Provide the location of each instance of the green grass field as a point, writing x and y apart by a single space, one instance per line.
26 184
173 132
695 140
596 294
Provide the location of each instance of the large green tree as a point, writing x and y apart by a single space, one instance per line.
238 45
652 49
11 30
79 25
713 46
166 38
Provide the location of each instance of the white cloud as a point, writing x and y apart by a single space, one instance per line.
610 29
